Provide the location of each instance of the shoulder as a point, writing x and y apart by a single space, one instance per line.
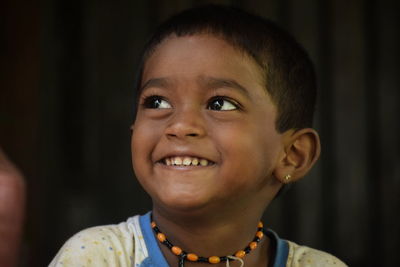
110 245
301 256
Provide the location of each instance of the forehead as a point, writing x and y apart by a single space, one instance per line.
198 56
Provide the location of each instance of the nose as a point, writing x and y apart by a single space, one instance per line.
186 123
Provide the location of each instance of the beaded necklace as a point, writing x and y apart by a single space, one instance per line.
183 255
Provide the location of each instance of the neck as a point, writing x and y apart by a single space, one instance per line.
215 234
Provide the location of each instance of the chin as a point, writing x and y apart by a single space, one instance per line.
183 202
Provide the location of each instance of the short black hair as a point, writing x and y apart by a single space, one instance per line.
288 71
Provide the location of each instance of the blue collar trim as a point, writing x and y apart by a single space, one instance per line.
156 258
281 249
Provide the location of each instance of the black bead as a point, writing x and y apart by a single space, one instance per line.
223 258
202 259
181 261
168 244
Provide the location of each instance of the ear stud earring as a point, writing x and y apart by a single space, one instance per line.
287 178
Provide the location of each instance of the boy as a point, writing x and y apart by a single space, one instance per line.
224 110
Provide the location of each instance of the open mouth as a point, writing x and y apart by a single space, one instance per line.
186 161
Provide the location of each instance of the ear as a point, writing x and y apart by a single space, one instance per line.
301 150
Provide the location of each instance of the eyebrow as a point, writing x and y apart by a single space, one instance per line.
209 82
155 82
214 83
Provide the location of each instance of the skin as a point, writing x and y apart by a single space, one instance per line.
212 210
12 206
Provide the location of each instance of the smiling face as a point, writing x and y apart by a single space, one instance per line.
204 134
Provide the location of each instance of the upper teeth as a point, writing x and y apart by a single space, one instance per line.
185 161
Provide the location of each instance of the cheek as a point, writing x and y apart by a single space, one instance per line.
249 153
267 150
141 146
143 137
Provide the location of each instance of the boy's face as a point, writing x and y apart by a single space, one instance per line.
204 100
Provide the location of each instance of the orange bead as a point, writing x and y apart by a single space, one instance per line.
260 225
161 237
260 234
176 250
253 245
192 257
214 259
153 224
240 254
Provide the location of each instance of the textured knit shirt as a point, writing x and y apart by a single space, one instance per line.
132 244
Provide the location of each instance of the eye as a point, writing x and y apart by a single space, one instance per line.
222 104
156 102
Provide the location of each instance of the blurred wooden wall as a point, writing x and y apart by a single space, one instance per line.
66 107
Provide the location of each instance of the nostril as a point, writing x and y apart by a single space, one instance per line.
185 135
184 129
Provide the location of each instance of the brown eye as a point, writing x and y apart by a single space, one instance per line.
221 104
156 102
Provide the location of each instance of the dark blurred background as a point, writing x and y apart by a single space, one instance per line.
66 88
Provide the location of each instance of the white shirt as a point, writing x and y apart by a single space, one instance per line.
132 244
